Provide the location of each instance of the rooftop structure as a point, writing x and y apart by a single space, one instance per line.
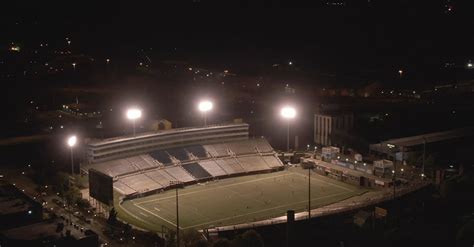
405 144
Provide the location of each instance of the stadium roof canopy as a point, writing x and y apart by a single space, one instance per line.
158 133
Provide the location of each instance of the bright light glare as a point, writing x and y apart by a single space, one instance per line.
134 113
205 106
288 112
71 141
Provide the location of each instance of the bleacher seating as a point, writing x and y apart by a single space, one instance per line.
272 161
148 159
253 163
123 189
160 177
262 145
231 166
179 174
115 168
197 171
161 156
140 182
156 170
242 147
217 150
139 162
197 151
213 168
178 153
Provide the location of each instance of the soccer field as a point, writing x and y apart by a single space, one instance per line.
235 200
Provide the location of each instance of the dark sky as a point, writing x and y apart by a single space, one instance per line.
359 36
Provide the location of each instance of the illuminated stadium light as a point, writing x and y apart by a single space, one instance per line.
71 141
288 112
134 114
205 106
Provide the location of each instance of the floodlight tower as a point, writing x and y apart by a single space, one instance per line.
288 113
71 142
134 114
204 107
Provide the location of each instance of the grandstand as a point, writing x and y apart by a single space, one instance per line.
119 147
153 170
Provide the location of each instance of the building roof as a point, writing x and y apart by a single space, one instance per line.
420 139
41 230
12 201
431 137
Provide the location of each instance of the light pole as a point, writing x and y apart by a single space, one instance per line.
177 183
134 114
288 113
391 147
71 142
423 164
204 107
309 191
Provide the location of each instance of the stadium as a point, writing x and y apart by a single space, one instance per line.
223 178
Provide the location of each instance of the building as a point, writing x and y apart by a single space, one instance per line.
382 166
356 175
49 233
114 148
16 208
329 153
331 129
401 148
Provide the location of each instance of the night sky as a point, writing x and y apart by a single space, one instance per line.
358 37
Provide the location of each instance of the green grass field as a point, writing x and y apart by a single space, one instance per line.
235 200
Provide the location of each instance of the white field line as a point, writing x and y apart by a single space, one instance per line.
134 216
148 211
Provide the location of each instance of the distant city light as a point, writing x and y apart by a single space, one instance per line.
288 112
470 65
290 63
30 212
15 48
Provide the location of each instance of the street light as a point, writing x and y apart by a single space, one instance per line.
288 113
400 72
392 147
74 66
204 107
134 114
